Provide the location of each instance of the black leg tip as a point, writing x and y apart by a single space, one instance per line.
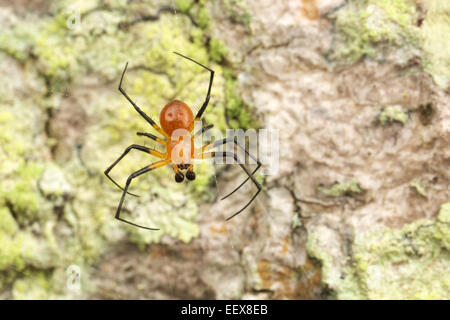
179 177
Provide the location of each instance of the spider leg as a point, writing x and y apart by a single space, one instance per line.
225 141
142 113
232 155
146 169
153 137
208 95
202 130
134 146
198 151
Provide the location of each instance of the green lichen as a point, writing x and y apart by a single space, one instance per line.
204 20
444 213
364 26
37 287
237 10
296 222
183 5
341 189
385 262
419 187
381 28
217 50
393 114
436 43
331 274
204 176
237 112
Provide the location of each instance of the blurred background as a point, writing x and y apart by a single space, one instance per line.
358 91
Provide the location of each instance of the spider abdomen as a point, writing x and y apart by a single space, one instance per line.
176 115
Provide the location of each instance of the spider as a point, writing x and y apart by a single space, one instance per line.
176 116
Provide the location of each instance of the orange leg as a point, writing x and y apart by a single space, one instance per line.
153 137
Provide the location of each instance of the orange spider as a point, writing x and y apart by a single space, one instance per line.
177 124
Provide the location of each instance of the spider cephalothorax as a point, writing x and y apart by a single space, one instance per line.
177 124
